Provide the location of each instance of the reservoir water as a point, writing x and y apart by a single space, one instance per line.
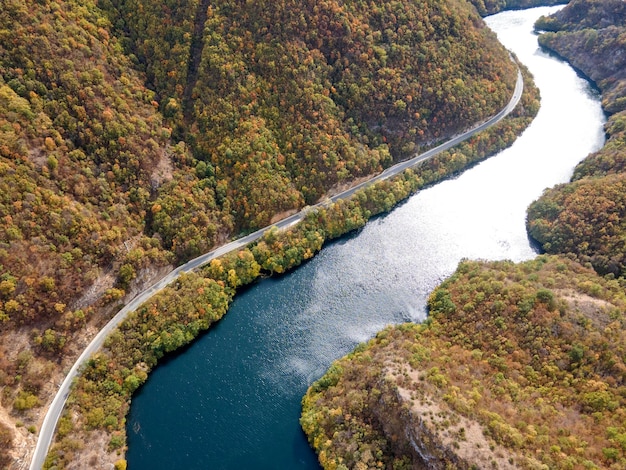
232 399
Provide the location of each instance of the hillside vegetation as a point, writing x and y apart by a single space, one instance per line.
81 149
518 366
587 217
135 135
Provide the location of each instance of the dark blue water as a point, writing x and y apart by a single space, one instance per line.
232 400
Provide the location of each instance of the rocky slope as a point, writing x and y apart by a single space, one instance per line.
518 366
588 34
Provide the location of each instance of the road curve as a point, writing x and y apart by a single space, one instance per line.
56 408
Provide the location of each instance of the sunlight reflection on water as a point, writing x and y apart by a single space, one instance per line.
232 400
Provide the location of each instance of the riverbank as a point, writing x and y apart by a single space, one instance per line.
518 366
585 217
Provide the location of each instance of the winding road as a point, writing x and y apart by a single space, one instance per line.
56 408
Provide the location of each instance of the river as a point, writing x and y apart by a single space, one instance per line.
232 399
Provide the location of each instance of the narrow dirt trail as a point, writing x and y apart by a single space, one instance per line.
195 56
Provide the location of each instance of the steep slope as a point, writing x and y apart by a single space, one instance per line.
589 34
81 146
302 96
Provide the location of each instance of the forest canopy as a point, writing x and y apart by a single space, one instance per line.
518 366
282 100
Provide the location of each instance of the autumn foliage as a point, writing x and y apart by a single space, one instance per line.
529 355
282 100
587 217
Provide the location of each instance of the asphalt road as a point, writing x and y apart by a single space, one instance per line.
48 426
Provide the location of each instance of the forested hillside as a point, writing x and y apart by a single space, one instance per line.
587 217
81 149
135 135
